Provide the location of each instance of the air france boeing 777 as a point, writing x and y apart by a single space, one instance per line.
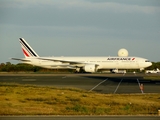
87 64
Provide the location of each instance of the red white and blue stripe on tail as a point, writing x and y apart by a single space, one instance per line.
27 50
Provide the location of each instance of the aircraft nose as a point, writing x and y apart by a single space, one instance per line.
150 63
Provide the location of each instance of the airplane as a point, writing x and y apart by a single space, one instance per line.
86 64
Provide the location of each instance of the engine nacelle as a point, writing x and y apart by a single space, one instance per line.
89 68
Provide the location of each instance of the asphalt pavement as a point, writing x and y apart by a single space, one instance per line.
101 83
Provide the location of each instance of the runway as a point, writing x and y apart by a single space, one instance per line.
101 83
79 117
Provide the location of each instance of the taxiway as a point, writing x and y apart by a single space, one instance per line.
101 83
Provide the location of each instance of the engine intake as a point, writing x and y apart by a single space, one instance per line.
89 68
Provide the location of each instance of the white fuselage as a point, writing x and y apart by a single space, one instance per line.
101 62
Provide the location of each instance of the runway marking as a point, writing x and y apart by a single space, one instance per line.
64 77
97 85
28 80
146 74
118 86
157 83
140 86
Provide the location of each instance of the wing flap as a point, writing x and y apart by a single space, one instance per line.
72 63
63 61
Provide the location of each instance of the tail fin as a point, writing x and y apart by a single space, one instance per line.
27 50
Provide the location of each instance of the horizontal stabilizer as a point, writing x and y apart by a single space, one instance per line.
20 59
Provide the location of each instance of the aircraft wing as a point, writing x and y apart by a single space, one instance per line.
74 63
21 59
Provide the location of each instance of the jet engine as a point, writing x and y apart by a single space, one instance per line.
89 68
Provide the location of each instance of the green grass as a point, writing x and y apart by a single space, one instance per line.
152 77
18 99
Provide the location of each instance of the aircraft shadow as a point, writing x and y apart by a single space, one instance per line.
127 79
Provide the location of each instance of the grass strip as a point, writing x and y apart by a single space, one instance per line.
152 78
16 99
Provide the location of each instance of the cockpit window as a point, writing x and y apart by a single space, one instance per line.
147 61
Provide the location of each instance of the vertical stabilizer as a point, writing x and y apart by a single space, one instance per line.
27 50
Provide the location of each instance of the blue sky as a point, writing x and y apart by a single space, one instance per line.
80 27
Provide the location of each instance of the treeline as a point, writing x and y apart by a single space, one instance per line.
20 67
155 65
